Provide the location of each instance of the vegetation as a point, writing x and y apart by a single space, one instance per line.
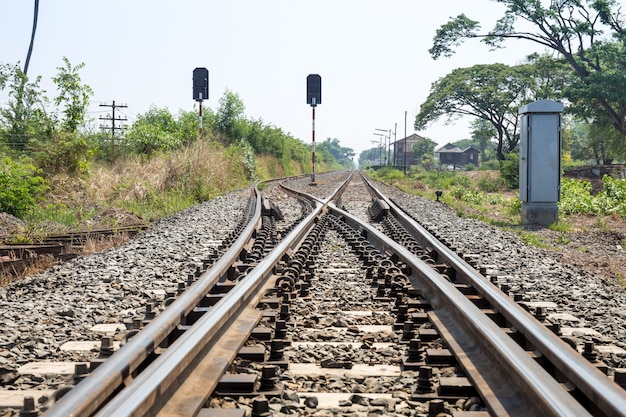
492 93
56 174
589 39
20 187
488 196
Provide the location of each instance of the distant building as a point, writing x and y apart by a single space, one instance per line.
471 155
403 150
450 155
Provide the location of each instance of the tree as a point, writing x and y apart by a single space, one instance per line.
600 140
342 155
589 35
483 133
73 94
24 116
369 155
423 148
230 116
493 93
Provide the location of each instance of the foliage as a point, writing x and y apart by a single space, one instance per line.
532 239
155 130
428 162
483 134
560 226
510 170
20 187
73 94
389 173
342 155
24 115
368 156
423 147
230 116
492 93
576 197
491 184
492 164
604 142
588 35
62 152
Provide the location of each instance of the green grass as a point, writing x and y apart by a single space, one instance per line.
532 239
560 226
157 205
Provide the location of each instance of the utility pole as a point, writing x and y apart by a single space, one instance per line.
113 119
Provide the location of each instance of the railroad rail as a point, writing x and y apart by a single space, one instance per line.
445 314
16 257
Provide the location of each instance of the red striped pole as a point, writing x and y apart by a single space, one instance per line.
313 147
200 119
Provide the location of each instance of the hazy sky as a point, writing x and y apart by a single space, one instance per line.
372 56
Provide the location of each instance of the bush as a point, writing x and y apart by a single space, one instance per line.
389 173
510 170
20 187
63 152
576 197
490 165
491 185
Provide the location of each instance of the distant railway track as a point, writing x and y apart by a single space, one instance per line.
338 303
15 258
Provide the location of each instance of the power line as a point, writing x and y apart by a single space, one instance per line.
112 118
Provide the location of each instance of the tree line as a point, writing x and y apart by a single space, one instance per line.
584 67
41 136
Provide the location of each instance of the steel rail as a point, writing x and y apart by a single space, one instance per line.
599 389
139 396
116 374
93 391
529 390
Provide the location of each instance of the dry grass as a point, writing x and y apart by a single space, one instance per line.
134 177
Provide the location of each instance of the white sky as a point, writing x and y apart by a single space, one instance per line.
372 56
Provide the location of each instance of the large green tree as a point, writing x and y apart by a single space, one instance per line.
589 35
493 93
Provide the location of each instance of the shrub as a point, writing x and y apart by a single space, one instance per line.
20 187
491 165
510 170
62 152
491 185
576 197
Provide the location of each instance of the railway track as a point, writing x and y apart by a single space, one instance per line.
16 258
345 307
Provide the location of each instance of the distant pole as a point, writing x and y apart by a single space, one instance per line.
113 119
388 148
395 145
200 118
313 143
313 98
404 147
32 37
